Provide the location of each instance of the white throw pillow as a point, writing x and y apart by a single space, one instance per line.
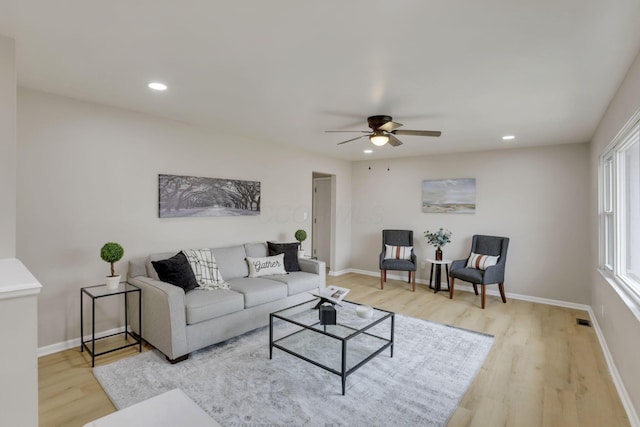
482 262
398 252
205 268
265 266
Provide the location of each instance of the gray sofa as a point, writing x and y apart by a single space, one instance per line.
177 323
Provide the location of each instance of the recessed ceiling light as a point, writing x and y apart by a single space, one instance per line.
157 86
368 151
508 137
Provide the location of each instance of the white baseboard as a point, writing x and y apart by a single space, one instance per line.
615 375
74 343
468 288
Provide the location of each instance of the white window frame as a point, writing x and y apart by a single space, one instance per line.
612 210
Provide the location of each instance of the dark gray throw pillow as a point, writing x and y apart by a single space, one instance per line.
290 251
177 271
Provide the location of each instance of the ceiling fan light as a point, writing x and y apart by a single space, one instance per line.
379 140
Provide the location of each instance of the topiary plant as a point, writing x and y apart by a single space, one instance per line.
111 252
300 236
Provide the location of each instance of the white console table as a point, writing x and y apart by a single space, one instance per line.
19 337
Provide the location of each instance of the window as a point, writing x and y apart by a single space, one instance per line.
620 209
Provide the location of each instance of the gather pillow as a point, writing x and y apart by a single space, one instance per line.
177 271
481 262
290 251
265 266
398 252
205 269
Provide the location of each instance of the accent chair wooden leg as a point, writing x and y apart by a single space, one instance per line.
451 288
484 293
475 288
409 277
383 273
413 280
501 286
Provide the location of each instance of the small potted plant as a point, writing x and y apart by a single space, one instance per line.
438 239
112 252
300 236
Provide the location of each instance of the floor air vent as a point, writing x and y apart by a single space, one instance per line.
583 322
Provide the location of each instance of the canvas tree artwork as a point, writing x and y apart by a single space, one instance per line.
183 196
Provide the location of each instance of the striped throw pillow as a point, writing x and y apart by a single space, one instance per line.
397 252
482 262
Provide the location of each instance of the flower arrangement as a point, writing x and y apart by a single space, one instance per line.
438 238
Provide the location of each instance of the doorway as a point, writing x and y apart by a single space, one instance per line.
322 236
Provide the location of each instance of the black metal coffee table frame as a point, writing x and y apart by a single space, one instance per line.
343 372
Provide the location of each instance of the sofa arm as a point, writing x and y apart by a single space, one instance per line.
314 266
164 320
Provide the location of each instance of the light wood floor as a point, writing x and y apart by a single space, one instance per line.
543 369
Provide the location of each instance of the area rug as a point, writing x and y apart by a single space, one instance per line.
238 385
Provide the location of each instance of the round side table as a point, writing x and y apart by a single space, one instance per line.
438 273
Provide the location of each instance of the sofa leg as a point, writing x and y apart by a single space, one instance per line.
178 359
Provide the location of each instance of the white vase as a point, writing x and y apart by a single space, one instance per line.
113 282
300 253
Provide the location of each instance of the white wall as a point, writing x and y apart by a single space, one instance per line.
619 324
535 196
7 148
88 174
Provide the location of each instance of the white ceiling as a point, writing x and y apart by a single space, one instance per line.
285 71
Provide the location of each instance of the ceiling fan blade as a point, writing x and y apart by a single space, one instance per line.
417 132
360 131
352 139
389 126
393 141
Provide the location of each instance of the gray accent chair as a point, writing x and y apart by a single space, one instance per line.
485 245
398 238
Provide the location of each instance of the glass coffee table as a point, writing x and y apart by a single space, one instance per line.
342 348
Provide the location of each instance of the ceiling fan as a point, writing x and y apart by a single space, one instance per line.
383 130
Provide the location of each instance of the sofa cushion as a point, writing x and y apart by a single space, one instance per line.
265 266
177 271
259 290
298 281
256 250
201 305
231 262
290 251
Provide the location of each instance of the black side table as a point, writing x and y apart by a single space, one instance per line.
437 264
101 291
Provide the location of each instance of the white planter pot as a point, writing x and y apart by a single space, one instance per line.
301 253
113 282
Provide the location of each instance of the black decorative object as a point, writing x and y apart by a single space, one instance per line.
327 315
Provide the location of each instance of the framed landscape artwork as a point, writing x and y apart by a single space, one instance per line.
449 196
181 196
